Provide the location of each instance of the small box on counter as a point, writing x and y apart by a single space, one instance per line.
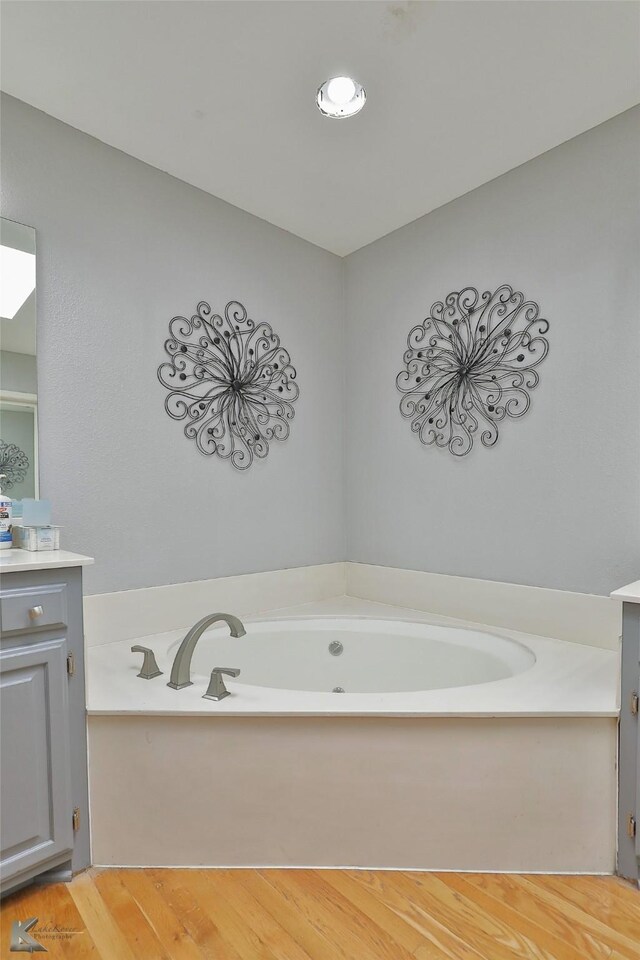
44 537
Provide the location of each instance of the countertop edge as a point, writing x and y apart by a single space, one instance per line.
409 715
14 560
628 594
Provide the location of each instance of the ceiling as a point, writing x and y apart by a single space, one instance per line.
221 94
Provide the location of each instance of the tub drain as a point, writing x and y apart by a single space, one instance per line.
335 648
338 690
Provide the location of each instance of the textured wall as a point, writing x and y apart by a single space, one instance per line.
122 247
557 502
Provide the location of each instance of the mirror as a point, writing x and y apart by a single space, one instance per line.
18 380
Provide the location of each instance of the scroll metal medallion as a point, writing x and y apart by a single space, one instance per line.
470 364
14 464
231 380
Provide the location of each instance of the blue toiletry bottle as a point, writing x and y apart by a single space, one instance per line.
5 520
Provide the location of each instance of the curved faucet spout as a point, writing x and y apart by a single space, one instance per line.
181 669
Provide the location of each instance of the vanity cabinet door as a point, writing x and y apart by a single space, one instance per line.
36 816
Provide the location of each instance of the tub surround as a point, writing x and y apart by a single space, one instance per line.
306 778
134 613
513 775
576 617
567 679
522 795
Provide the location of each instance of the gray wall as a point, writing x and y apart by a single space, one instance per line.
122 248
556 502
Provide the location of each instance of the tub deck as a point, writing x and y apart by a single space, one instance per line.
567 680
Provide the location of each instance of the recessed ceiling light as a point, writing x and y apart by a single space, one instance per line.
341 97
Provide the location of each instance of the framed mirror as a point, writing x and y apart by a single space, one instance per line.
18 378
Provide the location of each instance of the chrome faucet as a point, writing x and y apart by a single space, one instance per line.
181 669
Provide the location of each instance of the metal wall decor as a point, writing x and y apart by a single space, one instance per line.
14 464
469 365
231 380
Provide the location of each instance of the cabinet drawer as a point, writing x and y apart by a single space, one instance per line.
33 608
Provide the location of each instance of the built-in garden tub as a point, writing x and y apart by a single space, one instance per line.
356 740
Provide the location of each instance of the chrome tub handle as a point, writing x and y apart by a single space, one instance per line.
149 668
216 689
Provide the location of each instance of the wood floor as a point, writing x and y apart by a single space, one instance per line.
321 915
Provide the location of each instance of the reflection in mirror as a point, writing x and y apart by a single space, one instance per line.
18 383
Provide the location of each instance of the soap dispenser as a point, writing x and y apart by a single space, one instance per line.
5 519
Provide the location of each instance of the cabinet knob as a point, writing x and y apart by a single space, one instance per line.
35 612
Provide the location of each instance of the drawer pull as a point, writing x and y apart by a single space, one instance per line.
36 612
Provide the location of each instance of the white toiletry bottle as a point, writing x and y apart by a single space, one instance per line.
5 520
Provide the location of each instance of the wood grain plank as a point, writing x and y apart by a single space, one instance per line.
613 901
56 913
203 914
498 896
238 934
16 906
325 911
197 922
373 907
354 928
106 935
227 885
56 905
625 945
312 940
166 925
396 892
488 933
126 913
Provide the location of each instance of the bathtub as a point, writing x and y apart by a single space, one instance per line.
384 665
451 747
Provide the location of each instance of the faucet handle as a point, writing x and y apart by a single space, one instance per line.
149 668
216 689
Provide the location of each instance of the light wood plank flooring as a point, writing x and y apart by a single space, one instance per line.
326 914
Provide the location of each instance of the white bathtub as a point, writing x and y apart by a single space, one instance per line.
360 656
387 665
452 747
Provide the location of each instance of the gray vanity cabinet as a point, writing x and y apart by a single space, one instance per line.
629 752
36 823
43 814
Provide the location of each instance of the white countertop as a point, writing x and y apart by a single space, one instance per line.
630 593
567 679
24 560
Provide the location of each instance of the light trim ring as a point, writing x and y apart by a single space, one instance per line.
340 97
